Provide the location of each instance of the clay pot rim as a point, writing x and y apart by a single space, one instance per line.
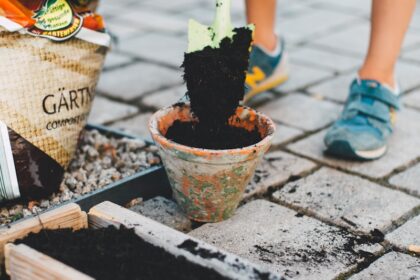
162 140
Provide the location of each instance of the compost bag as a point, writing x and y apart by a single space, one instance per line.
51 54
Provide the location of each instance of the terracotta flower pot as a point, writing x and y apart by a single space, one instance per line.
209 184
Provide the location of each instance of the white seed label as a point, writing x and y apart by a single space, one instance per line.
9 188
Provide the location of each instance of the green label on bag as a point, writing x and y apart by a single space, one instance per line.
56 20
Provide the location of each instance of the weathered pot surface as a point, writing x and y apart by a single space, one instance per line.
209 184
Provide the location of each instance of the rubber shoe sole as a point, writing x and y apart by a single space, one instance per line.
343 150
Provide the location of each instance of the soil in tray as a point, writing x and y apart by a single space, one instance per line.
215 79
111 253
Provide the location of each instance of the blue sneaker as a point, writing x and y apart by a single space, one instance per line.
265 71
366 122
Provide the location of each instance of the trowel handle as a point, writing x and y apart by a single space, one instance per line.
222 25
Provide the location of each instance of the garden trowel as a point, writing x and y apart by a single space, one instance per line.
201 36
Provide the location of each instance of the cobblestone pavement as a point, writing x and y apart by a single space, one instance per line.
305 215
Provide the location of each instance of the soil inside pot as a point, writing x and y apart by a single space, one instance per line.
223 137
111 253
215 79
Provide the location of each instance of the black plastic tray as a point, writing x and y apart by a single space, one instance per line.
146 184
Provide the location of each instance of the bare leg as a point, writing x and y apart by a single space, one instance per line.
263 14
389 23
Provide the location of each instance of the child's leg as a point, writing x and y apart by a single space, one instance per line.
363 130
389 23
263 14
268 66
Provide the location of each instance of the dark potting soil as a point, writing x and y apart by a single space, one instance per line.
223 137
215 79
111 253
193 247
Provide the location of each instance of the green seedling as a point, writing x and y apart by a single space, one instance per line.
201 36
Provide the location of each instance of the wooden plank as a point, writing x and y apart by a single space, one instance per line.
67 216
25 263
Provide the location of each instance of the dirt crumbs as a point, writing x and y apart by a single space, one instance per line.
215 79
322 247
193 247
111 253
99 161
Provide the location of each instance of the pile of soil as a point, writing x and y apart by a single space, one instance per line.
111 253
215 79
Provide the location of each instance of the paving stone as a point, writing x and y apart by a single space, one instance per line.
301 76
138 125
324 59
296 246
402 148
133 81
285 133
407 237
172 6
407 75
392 266
313 23
413 54
275 169
105 110
157 47
114 59
123 30
155 20
203 14
408 180
347 200
288 110
263 98
109 9
361 7
164 211
415 21
412 99
354 39
336 89
293 8
238 8
165 98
